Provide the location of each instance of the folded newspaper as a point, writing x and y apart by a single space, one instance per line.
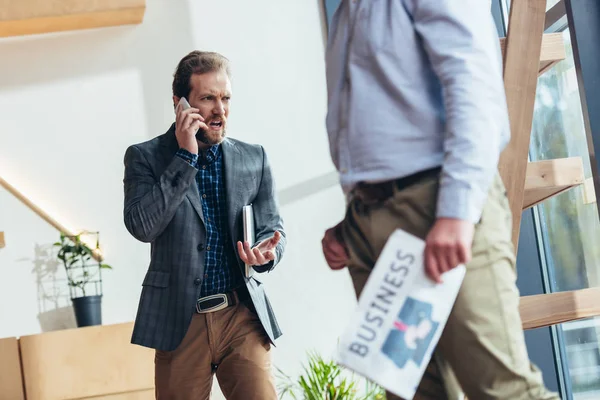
400 317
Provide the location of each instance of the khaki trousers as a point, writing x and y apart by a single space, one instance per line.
230 343
482 346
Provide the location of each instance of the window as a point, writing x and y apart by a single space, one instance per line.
583 357
569 226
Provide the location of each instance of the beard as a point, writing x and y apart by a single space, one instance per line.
212 137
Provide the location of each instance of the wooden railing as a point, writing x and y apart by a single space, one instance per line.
61 227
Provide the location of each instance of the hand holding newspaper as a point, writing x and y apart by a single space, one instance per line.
400 317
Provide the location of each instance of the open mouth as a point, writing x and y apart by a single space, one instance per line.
216 124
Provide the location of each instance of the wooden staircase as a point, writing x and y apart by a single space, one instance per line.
527 54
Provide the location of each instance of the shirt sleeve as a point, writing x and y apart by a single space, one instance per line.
462 44
192 159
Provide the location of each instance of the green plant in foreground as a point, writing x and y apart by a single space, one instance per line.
324 380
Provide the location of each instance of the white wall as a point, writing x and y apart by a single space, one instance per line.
71 103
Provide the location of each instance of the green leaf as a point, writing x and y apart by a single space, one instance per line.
324 380
105 266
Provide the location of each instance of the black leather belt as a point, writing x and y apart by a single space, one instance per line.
221 301
371 193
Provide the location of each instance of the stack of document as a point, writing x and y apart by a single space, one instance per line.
248 222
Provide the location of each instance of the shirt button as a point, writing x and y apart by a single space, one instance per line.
204 196
197 281
204 167
200 247
207 247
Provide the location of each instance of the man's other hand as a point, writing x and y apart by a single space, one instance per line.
261 254
334 248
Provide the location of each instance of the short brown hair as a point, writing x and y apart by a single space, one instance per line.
197 62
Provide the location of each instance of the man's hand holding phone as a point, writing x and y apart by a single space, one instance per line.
187 123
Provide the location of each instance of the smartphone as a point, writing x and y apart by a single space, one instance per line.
184 104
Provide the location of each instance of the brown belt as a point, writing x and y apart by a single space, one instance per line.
372 193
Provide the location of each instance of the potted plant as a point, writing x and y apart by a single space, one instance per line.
325 380
84 276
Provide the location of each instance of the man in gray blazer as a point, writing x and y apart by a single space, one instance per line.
184 193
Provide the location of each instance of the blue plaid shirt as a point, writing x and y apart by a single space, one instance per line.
220 272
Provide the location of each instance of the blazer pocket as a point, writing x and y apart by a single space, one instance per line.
157 279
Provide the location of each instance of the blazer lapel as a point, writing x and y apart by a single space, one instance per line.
231 157
169 142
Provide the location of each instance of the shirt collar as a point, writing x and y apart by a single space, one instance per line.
213 153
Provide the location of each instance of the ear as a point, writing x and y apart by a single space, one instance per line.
175 102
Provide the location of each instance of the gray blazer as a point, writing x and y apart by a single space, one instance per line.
162 207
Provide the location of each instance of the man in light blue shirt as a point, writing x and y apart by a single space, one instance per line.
417 120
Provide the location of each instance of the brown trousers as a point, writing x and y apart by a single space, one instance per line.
230 343
482 348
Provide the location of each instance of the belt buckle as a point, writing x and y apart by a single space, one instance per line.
217 307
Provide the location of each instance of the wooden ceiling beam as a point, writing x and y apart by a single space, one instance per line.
27 17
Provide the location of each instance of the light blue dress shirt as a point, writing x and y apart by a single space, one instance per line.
415 84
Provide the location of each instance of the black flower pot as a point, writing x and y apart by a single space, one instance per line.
88 310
